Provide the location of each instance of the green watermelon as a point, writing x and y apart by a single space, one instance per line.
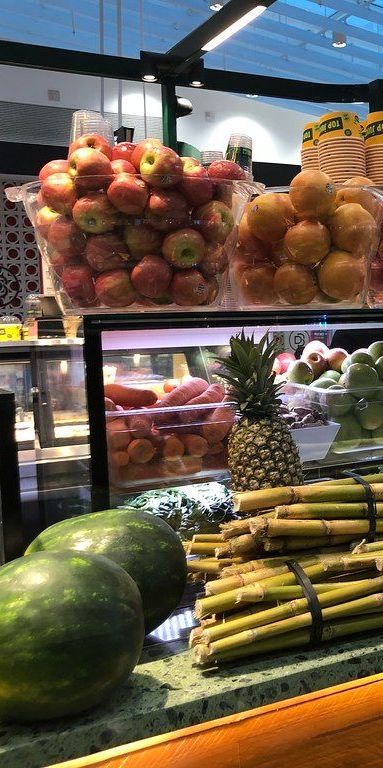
71 628
143 544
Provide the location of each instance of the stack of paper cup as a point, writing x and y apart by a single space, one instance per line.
84 122
309 150
373 139
341 146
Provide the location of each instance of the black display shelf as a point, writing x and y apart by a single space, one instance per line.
10 496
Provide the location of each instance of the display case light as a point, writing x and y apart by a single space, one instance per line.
232 29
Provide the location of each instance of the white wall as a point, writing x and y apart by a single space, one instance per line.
276 132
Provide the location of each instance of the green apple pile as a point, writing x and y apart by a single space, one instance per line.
349 386
135 224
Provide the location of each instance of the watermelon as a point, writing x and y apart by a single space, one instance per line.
71 628
143 544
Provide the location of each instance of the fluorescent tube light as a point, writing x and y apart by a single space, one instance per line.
233 28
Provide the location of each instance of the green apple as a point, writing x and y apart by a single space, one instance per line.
322 383
334 375
362 377
299 372
369 414
379 367
376 350
349 435
338 401
377 436
359 356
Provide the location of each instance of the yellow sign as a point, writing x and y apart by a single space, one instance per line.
310 136
337 125
11 332
373 134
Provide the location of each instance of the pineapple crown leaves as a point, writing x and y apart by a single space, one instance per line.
248 370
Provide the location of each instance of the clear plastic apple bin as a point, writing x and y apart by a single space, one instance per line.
149 447
122 243
307 246
355 413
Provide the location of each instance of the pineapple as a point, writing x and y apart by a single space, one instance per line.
262 452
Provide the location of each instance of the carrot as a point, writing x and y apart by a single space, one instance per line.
195 445
130 397
119 458
180 396
172 448
141 451
218 424
117 433
109 404
213 394
215 448
140 425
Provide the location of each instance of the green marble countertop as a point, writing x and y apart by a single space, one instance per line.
167 692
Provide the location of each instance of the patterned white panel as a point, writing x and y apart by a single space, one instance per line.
20 272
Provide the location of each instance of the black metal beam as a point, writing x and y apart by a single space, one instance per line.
375 97
94 383
190 47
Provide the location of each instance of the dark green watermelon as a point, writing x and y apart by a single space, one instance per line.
71 628
144 545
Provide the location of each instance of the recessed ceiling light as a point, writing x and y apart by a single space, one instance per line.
338 40
216 6
196 84
149 78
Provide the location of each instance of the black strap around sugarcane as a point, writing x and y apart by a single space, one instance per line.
371 501
312 601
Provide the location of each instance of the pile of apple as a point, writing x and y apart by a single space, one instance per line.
313 244
348 386
135 223
182 432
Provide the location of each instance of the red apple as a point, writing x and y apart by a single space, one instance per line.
167 210
93 141
54 166
184 249
105 252
60 259
213 290
122 166
44 220
78 284
95 214
66 237
128 193
285 358
215 220
114 288
335 357
226 169
196 185
315 346
257 284
214 261
59 192
317 363
141 239
190 162
277 366
90 169
123 151
141 148
189 288
161 167
151 276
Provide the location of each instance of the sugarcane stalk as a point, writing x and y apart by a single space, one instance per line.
367 604
202 548
365 546
294 543
270 527
371 478
202 566
239 545
327 511
271 497
208 537
241 579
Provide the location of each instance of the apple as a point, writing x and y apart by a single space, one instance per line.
58 192
54 166
215 260
78 283
90 169
141 239
196 185
161 167
94 213
215 220
285 358
66 237
92 141
44 220
277 367
128 193
317 363
114 288
141 148
184 249
123 151
226 169
299 372
105 252
59 260
213 290
190 162
151 276
189 288
315 346
335 358
256 284
166 210
122 166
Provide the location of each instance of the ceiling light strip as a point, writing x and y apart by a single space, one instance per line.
234 28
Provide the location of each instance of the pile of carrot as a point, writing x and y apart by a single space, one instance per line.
179 434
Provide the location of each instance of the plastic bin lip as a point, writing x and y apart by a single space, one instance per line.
154 410
307 388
